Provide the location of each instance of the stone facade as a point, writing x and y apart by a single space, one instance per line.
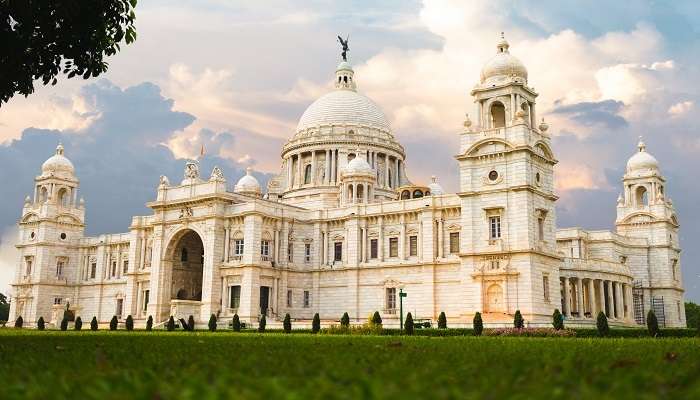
342 229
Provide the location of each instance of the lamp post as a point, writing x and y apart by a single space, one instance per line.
401 296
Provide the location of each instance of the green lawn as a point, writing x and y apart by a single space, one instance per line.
162 365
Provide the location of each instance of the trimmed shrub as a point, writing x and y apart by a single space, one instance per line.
316 324
478 324
190 323
262 324
377 319
64 324
518 321
149 323
78 324
170 326
601 324
236 323
40 324
129 323
652 324
408 325
345 320
212 323
442 321
287 324
113 323
93 324
557 320
19 322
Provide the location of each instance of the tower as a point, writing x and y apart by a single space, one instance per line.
51 225
507 199
646 213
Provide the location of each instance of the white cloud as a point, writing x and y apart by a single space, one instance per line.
681 108
9 257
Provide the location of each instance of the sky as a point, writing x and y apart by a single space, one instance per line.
236 76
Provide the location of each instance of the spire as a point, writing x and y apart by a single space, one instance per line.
641 145
503 44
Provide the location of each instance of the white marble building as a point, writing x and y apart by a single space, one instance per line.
343 229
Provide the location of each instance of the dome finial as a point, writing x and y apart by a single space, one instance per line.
503 44
248 170
59 149
641 145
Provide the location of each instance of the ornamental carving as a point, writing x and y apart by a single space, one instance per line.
217 175
191 170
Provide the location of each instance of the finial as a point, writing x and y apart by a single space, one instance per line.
641 145
433 179
248 170
59 149
503 44
503 35
543 126
467 121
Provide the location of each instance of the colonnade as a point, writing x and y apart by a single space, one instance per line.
586 297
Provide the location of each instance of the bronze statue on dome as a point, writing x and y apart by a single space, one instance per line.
344 43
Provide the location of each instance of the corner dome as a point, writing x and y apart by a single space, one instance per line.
503 66
642 162
248 184
58 164
358 165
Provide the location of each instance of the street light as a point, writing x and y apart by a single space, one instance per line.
401 296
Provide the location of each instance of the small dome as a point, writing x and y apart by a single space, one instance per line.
247 184
58 164
642 162
358 165
503 66
435 188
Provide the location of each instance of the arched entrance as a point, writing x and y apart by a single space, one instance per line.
187 258
494 299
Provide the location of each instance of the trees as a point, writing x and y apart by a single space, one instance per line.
376 319
212 323
113 323
316 324
262 324
478 324
78 324
557 320
236 323
40 39
129 323
93 324
345 320
19 322
518 321
692 315
601 324
652 324
287 324
190 323
64 323
40 324
4 307
149 323
442 321
170 326
408 325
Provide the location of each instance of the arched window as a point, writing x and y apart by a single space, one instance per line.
405 195
417 194
43 194
498 115
63 197
642 196
360 193
350 193
307 174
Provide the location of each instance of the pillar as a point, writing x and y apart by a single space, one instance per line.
290 166
386 174
601 297
327 178
227 236
591 298
440 238
313 167
567 303
611 303
380 242
402 238
579 297
300 172
619 303
333 168
396 173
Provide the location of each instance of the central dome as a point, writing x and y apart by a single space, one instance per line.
343 107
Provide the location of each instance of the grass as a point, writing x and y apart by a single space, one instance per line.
202 365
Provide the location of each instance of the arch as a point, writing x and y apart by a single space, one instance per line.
474 149
417 194
498 114
184 265
494 298
544 150
405 195
641 196
307 174
63 197
350 193
351 156
360 193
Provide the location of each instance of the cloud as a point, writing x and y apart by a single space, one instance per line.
605 113
680 108
9 257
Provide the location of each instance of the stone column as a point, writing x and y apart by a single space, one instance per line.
619 303
440 235
142 256
579 297
380 242
567 303
276 238
327 179
396 173
227 236
300 171
420 239
591 298
402 237
386 168
480 117
333 168
290 166
364 243
601 297
611 303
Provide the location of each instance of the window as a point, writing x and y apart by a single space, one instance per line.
494 264
307 252
183 254
114 268
120 308
495 227
545 286
493 175
454 242
307 174
307 299
290 252
234 296
413 246
125 267
674 267
393 247
146 297
390 298
540 228
265 248
373 248
289 298
28 269
338 251
59 269
238 246
93 270
57 300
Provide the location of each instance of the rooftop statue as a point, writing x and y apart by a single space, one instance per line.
344 43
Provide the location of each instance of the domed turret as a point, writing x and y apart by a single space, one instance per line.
642 163
358 165
503 66
248 185
435 188
58 165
